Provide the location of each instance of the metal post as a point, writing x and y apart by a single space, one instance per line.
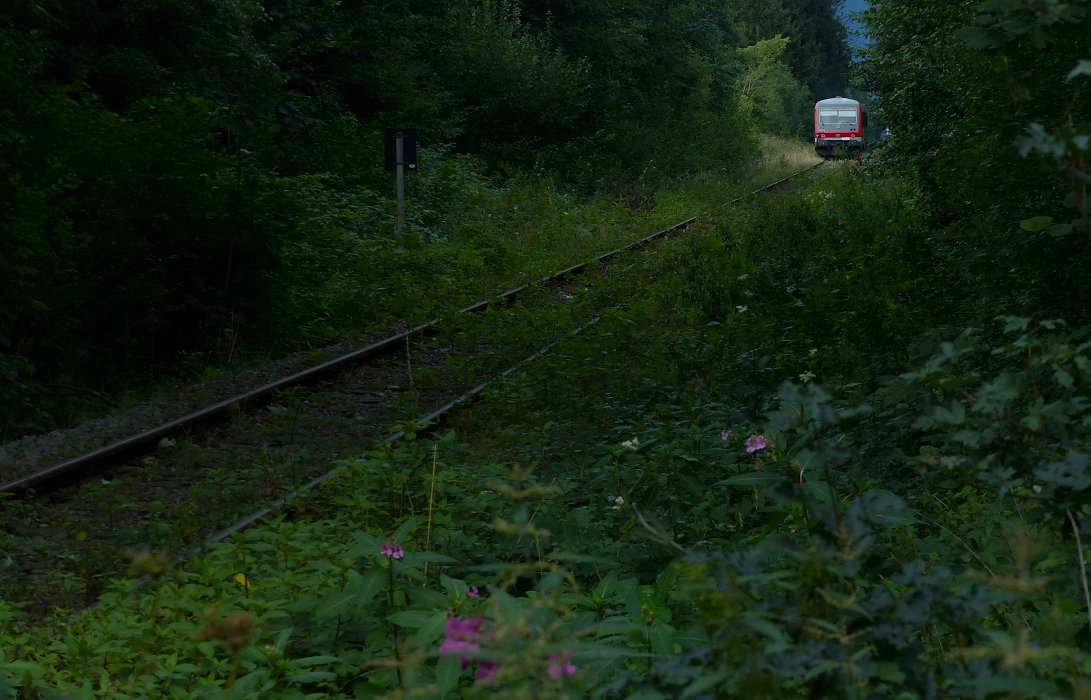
399 161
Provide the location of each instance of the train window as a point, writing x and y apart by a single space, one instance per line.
837 117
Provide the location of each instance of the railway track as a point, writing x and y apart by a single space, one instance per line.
223 467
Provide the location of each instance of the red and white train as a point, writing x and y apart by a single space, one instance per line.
839 123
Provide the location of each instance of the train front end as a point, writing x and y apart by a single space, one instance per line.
839 124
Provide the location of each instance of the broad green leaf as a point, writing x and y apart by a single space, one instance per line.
405 528
704 683
410 618
1036 223
767 628
754 479
316 660
661 638
313 676
334 604
1060 230
373 581
448 669
432 628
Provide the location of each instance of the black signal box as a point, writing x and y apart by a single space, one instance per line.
409 148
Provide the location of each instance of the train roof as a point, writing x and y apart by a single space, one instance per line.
837 102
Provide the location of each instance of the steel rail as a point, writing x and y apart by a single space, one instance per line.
146 440
425 425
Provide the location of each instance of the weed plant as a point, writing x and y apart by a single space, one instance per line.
340 271
786 471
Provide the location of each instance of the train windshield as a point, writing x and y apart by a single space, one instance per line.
837 119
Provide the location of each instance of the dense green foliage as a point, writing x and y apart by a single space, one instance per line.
985 101
752 498
178 173
840 446
817 52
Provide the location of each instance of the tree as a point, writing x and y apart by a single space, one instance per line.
969 88
817 51
768 93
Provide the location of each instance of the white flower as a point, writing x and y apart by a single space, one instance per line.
748 293
741 309
807 377
632 445
812 352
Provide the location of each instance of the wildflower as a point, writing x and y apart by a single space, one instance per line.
741 309
725 435
755 443
473 592
453 645
560 665
632 445
748 293
486 671
462 637
812 352
243 581
391 550
619 501
807 377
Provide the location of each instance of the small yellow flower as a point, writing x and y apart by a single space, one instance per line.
243 581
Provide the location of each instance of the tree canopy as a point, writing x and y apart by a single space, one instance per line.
988 108
162 150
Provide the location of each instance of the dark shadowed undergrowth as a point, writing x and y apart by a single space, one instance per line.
785 471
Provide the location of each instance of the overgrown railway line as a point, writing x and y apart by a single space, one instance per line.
220 468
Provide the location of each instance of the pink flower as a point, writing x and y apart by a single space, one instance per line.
462 637
755 443
725 435
458 628
560 665
473 592
391 550
459 646
486 670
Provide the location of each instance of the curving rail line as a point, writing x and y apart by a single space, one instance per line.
115 452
